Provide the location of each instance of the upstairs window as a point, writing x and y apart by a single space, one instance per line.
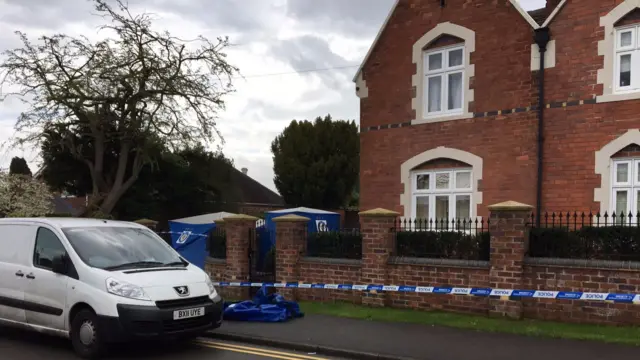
627 59
444 81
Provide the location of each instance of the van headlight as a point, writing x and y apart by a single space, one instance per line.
125 289
212 289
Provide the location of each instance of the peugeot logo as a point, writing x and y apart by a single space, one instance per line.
182 290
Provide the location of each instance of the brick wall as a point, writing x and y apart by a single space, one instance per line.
333 271
420 273
216 269
508 268
568 275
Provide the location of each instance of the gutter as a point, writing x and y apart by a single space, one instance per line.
541 37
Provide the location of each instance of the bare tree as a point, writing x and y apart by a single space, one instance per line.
136 88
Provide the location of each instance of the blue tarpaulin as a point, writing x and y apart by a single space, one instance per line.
263 308
189 236
190 241
321 220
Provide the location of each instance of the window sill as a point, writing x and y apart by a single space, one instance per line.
447 117
618 97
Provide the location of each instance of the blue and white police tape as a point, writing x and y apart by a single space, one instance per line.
188 233
482 292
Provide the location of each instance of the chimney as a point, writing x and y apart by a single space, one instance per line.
244 170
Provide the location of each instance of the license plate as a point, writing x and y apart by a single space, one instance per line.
188 313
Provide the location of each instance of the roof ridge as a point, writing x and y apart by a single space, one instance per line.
262 186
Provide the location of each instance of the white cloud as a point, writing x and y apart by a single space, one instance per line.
532 4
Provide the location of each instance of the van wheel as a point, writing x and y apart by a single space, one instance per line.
85 335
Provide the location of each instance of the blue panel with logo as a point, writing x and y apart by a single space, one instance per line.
190 240
321 220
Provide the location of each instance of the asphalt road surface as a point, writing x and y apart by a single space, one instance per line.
23 345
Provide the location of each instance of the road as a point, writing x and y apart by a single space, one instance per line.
22 345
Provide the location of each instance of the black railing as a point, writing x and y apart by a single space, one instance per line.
462 239
217 243
586 236
341 244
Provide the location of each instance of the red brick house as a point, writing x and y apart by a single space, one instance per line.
450 116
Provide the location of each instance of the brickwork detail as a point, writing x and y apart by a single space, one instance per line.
237 263
377 246
291 246
561 278
508 245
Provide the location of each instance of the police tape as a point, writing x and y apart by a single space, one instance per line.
480 292
188 233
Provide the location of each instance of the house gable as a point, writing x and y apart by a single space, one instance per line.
527 16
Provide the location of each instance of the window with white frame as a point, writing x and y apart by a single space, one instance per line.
625 186
442 195
627 59
443 81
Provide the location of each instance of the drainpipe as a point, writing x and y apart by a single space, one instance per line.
541 37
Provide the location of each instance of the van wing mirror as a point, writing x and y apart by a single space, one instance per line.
60 265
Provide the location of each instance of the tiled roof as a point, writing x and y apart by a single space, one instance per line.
252 192
539 15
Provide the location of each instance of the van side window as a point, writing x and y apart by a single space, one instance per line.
47 247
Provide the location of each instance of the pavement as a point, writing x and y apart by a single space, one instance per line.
23 345
361 339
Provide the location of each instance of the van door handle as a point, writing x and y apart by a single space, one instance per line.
31 276
20 273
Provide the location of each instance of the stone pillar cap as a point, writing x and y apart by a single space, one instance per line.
510 206
380 212
291 218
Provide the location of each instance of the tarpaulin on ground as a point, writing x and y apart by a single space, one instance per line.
263 308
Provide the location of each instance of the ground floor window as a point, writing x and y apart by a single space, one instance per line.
442 195
625 189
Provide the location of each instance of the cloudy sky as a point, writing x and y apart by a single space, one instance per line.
297 58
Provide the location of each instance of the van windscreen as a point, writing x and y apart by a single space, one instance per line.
120 248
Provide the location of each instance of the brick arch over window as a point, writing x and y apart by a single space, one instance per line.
606 48
417 80
444 153
603 166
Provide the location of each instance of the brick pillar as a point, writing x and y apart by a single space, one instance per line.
238 231
377 246
509 239
291 246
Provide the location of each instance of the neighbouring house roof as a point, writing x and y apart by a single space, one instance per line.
252 192
539 15
536 18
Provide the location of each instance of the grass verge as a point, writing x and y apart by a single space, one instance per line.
610 334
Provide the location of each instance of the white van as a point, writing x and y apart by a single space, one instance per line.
100 281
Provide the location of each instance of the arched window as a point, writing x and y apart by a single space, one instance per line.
441 192
620 75
441 184
444 77
444 73
627 53
618 164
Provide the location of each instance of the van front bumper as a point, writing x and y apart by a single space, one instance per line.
147 322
